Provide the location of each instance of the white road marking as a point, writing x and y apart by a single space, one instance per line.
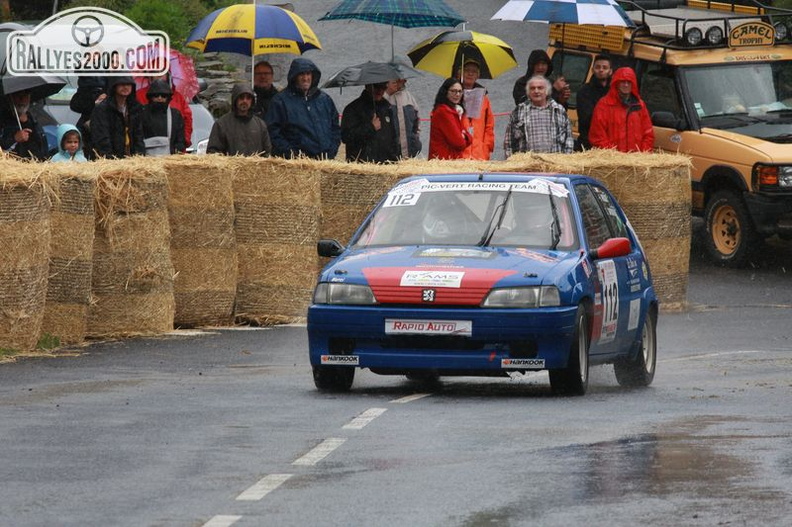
222 521
363 419
266 485
319 452
711 355
411 398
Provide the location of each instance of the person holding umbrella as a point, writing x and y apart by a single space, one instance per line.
479 111
21 134
450 131
368 127
407 119
302 119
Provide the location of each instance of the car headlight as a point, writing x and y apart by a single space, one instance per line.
523 297
769 177
350 294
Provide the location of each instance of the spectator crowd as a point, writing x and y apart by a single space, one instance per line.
382 125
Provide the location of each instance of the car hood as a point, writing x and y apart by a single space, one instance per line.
458 275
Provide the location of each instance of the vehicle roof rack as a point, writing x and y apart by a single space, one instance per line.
701 24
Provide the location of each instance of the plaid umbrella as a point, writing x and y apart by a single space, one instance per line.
597 12
402 13
445 53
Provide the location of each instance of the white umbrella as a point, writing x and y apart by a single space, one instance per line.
596 12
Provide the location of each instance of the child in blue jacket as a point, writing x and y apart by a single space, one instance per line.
69 144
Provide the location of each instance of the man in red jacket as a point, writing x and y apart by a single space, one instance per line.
620 119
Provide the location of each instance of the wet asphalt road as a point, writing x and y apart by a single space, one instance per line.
225 428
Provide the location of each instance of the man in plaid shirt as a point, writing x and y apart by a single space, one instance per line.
539 124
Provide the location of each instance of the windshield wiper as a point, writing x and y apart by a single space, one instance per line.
490 232
555 228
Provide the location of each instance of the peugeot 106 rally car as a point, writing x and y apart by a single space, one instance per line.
487 275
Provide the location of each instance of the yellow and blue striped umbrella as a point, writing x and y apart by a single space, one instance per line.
253 30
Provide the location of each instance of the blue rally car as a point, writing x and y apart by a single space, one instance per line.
486 275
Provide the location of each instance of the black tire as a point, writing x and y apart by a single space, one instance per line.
731 236
639 370
573 380
333 378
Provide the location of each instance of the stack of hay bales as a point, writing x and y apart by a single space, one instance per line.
25 234
277 208
654 191
132 276
203 244
71 252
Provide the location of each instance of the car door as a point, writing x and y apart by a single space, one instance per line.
617 301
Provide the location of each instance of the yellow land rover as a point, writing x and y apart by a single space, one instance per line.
717 80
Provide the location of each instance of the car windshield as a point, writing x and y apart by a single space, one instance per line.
475 213
734 95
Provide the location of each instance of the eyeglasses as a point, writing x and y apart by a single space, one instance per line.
455 91
158 96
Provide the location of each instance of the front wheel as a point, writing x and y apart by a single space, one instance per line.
333 378
573 380
639 371
731 236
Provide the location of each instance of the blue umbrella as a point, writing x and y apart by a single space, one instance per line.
596 12
402 13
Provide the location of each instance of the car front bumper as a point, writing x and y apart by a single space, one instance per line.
499 340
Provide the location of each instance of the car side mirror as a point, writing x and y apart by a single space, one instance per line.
329 248
611 248
666 120
202 84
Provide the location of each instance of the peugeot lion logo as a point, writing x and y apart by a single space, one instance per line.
87 31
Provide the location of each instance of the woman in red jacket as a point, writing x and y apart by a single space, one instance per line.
449 134
620 119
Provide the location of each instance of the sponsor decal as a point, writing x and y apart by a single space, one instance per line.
395 326
586 268
534 255
753 33
428 295
537 186
337 279
436 278
610 300
635 312
452 252
347 360
87 41
522 364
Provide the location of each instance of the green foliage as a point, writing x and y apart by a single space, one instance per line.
48 342
161 15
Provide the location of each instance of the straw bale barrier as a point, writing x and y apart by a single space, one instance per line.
654 191
203 243
25 235
276 202
71 252
132 276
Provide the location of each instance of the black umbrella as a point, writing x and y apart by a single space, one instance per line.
369 73
40 86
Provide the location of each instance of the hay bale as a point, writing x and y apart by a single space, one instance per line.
203 244
277 209
132 275
71 253
25 234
